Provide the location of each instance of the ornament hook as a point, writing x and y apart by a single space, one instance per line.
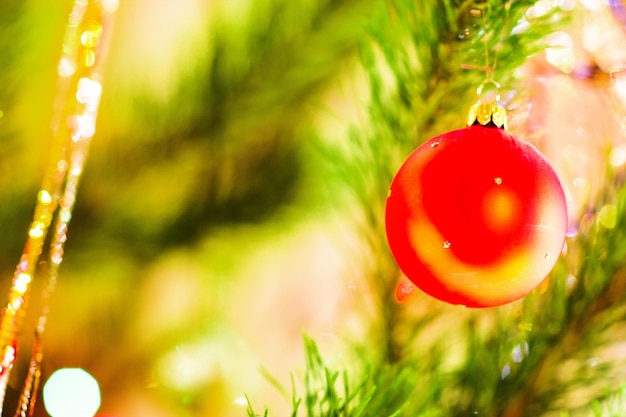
484 91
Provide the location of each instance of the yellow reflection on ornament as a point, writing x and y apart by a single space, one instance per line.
71 392
608 216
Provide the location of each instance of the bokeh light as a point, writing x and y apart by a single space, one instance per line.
71 392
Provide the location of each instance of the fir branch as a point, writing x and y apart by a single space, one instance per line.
418 87
574 322
243 154
612 406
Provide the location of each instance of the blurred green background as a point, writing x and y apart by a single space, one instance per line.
208 233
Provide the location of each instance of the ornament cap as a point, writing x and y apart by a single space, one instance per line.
486 110
484 114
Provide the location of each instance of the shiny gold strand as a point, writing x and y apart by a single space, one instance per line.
78 97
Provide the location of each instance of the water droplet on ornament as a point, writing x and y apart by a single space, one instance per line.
446 244
497 180
434 144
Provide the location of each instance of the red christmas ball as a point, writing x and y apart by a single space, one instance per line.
476 217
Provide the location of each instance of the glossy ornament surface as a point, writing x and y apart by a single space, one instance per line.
476 217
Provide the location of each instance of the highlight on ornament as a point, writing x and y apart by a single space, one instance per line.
71 392
476 216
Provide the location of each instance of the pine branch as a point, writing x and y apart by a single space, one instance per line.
417 86
243 155
422 49
580 318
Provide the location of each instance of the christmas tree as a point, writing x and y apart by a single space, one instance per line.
228 254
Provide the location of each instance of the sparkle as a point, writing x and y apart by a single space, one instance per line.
44 197
89 58
446 244
91 36
241 401
65 216
71 392
21 282
110 6
66 67
15 303
37 230
88 90
497 180
9 356
84 127
434 144
57 257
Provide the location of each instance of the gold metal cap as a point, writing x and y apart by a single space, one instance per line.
484 114
486 110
